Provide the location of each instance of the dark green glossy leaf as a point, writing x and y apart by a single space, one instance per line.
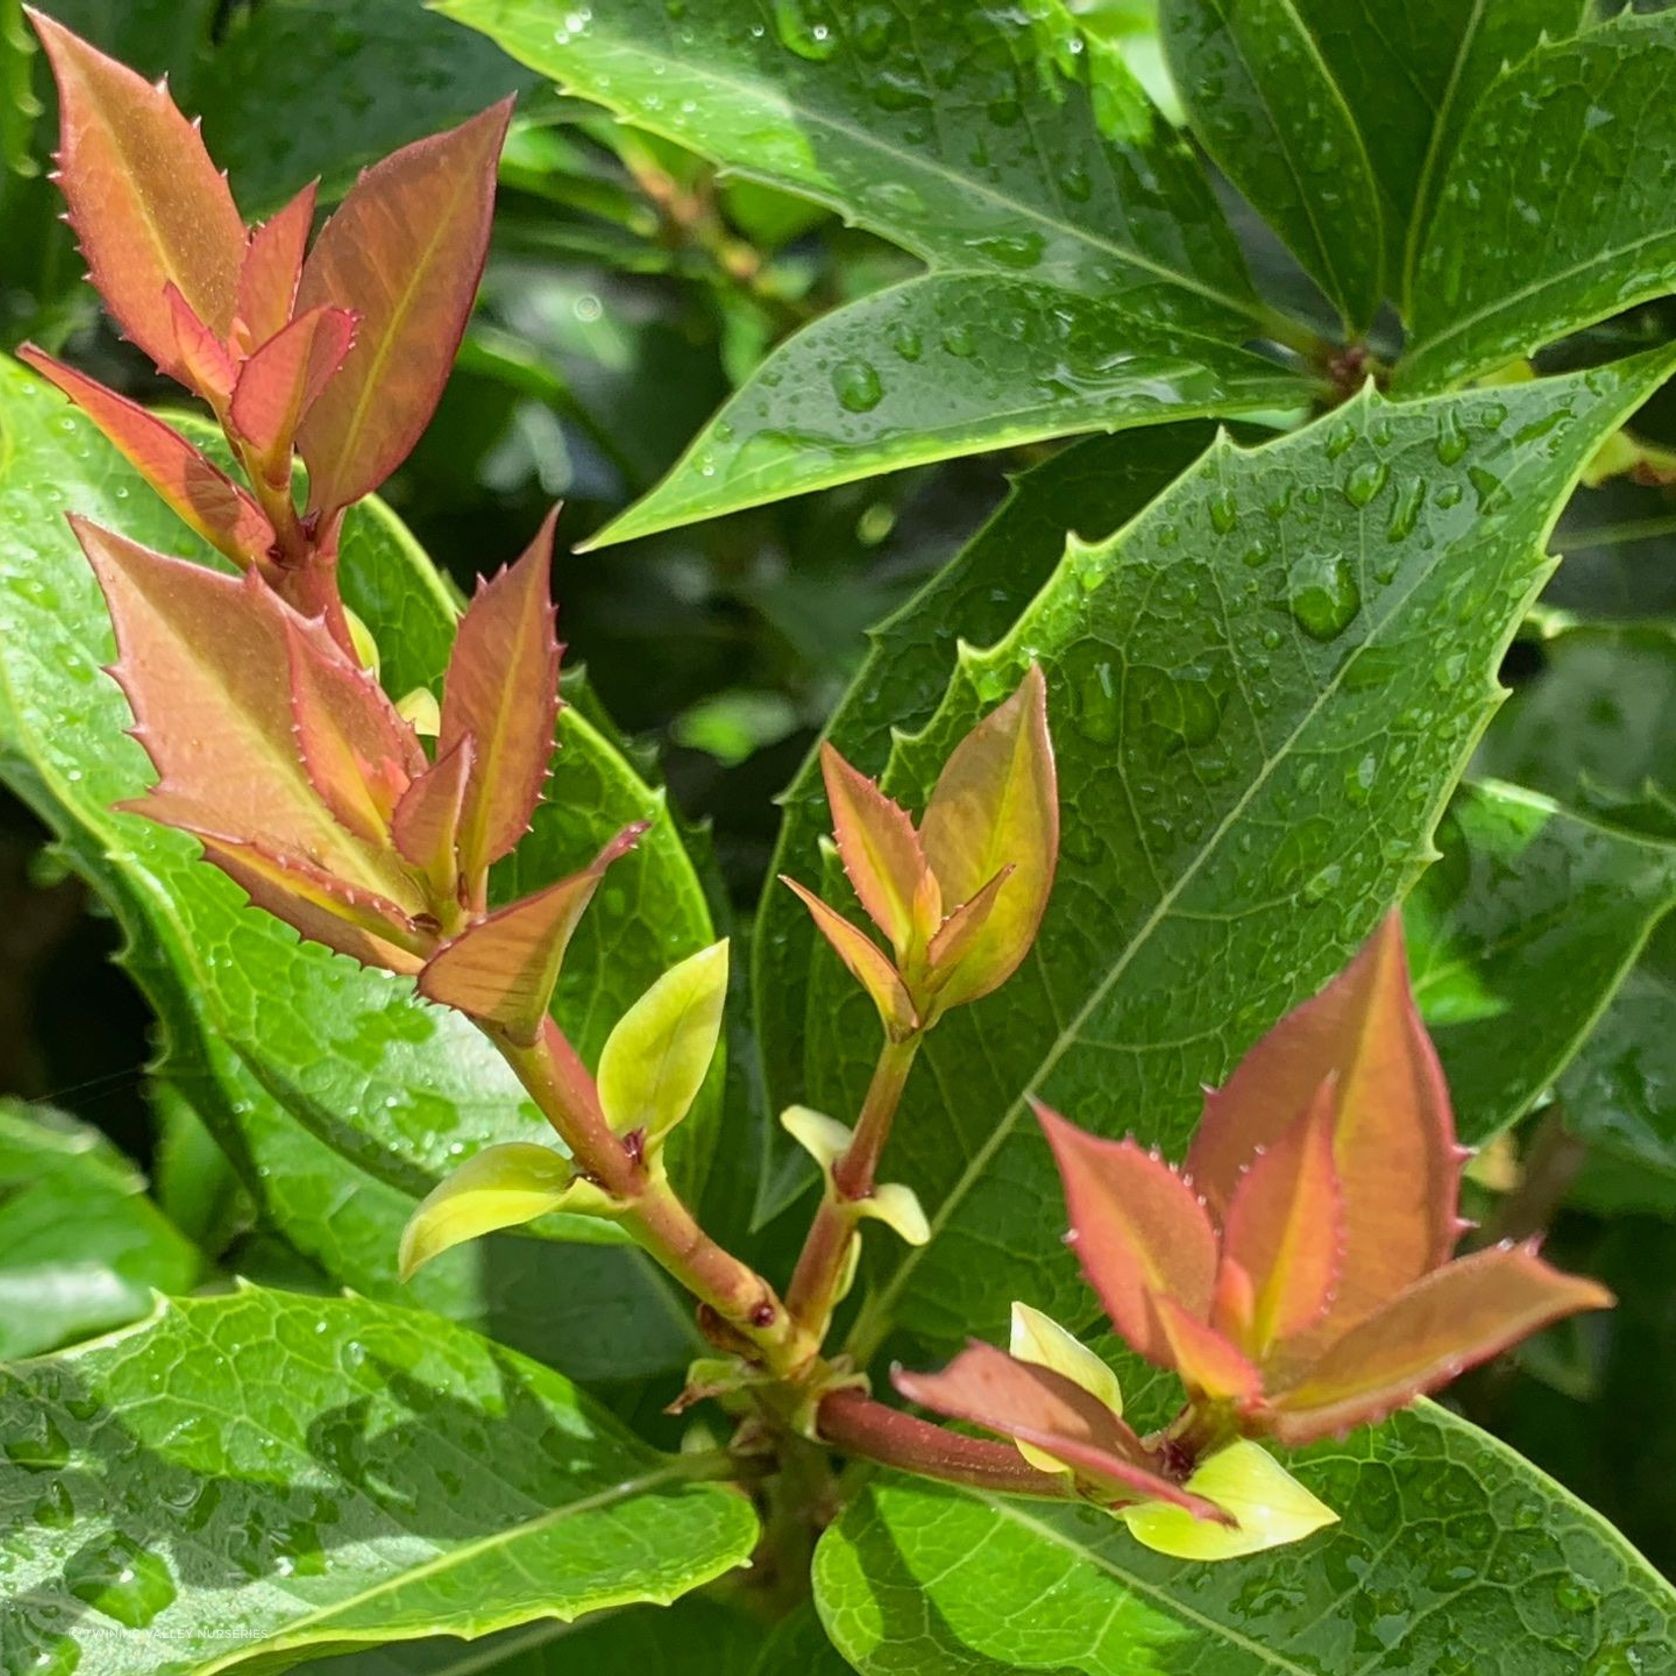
1597 728
1454 1557
337 1094
1082 275
1091 488
1262 691
1557 208
1518 937
261 1475
1265 102
81 1246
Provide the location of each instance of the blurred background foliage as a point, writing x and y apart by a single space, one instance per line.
628 291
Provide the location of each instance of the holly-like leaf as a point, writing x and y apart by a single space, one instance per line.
1082 274
503 691
879 847
1092 488
305 1510
1556 210
1216 755
148 206
272 268
404 253
81 1246
866 962
1263 98
1497 1568
283 379
1520 935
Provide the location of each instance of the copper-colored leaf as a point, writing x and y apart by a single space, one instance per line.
204 662
201 362
280 382
273 264
368 927
1455 1317
1394 1140
879 848
957 933
146 202
359 754
1138 1230
997 802
1285 1226
1043 1408
502 969
203 496
404 251
1207 1362
426 823
502 688
866 961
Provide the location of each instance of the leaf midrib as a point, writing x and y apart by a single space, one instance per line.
766 94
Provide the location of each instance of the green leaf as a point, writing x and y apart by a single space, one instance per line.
1092 488
1557 208
258 1475
338 1095
1261 692
1597 728
1518 937
81 1246
1453 1556
1263 99
1619 1093
1082 274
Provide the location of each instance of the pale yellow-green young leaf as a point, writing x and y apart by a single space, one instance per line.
1040 1340
366 647
501 1187
824 1138
898 1207
655 1060
1272 1508
420 710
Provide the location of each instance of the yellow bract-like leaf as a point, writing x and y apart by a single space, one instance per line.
501 1187
898 1207
824 1138
655 1061
1040 1340
1272 1508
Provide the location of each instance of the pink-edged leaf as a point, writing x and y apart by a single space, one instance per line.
1394 1139
426 823
202 362
880 851
281 381
204 662
1139 1231
204 497
997 803
272 267
867 962
1448 1321
1038 1406
1208 1363
1285 1227
367 927
404 251
359 754
958 931
502 687
501 971
147 204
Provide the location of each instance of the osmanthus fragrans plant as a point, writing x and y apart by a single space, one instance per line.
1117 813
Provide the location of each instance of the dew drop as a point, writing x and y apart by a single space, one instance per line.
857 386
121 1579
1366 481
805 29
1324 596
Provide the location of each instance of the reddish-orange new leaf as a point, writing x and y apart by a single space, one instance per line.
1393 1144
202 361
1138 1230
502 970
1454 1318
282 380
864 958
426 824
405 251
147 204
1210 1365
272 267
881 853
502 687
204 497
1038 1406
